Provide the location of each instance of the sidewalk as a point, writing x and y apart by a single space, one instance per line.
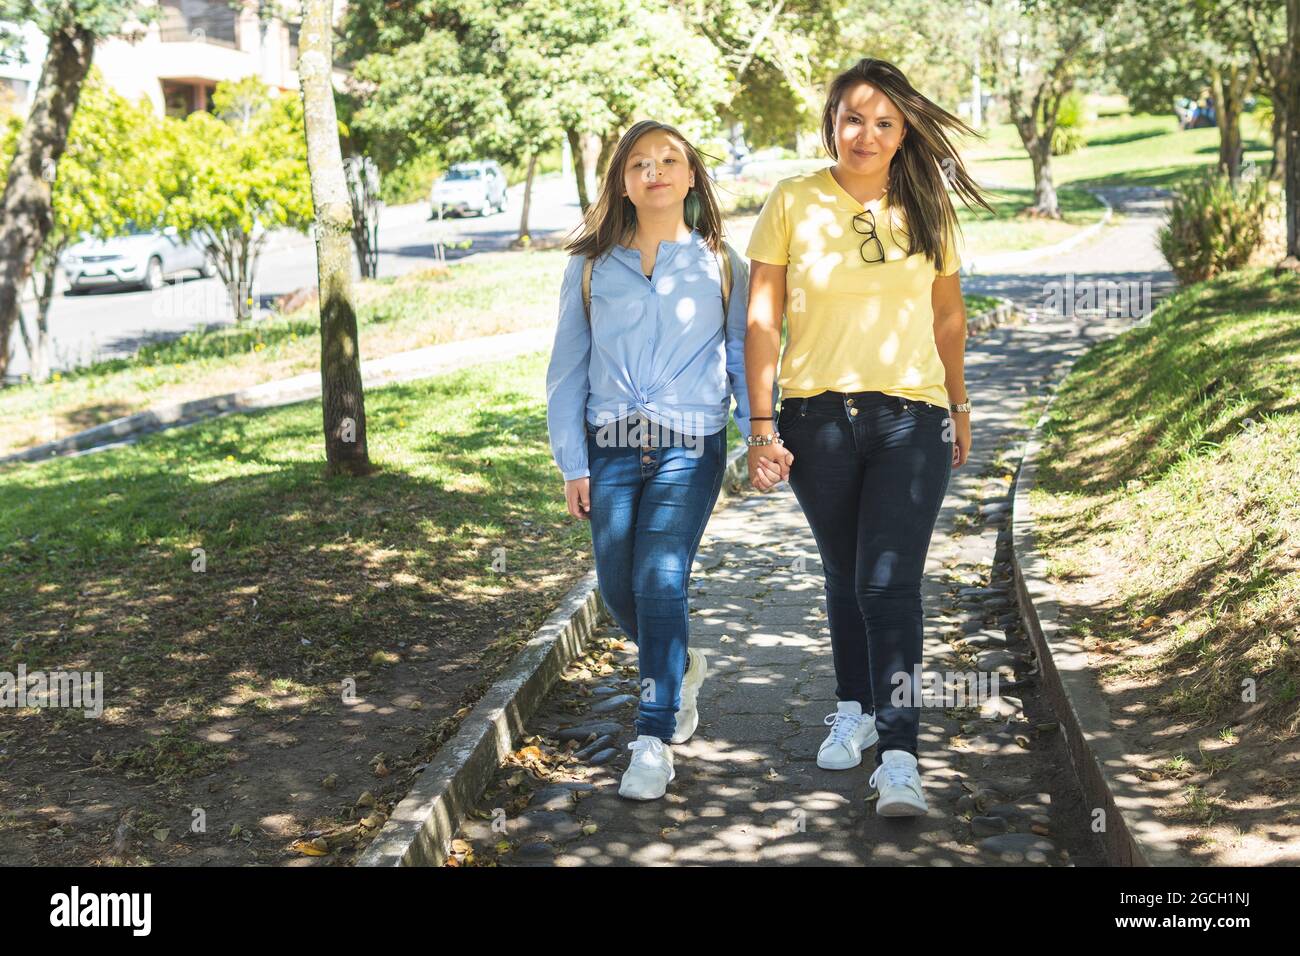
747 790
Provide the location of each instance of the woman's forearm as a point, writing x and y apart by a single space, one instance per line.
763 338
950 339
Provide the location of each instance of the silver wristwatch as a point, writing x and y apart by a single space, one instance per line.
963 407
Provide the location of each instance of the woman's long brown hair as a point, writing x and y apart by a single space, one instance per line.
612 217
925 159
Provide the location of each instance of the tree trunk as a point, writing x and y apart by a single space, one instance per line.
607 147
25 213
1039 147
1292 260
1040 158
40 353
1277 172
579 167
235 261
342 397
1229 84
363 191
1035 125
524 236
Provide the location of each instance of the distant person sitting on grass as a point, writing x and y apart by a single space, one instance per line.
646 360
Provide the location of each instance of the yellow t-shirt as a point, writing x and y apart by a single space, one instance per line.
853 326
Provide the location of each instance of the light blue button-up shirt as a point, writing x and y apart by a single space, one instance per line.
655 347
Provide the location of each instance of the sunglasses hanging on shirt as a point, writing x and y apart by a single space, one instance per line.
872 249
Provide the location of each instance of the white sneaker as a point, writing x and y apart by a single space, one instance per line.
851 733
688 715
651 770
900 786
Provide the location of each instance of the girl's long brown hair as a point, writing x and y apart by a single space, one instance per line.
612 217
924 161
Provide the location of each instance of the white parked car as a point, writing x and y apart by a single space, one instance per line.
143 258
470 187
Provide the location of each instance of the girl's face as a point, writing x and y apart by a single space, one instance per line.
868 130
658 174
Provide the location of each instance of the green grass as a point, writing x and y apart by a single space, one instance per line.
1126 150
975 304
96 552
307 580
1009 231
1169 516
387 580
1168 480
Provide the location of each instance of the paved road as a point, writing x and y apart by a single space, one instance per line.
748 790
108 323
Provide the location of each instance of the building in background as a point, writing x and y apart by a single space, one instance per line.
177 61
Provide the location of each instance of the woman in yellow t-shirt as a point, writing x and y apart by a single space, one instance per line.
861 258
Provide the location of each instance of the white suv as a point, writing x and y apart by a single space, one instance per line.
470 187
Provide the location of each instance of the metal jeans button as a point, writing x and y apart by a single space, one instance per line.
647 459
853 411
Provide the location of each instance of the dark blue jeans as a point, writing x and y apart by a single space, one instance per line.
650 501
870 473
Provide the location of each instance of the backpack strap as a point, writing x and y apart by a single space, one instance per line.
586 287
724 271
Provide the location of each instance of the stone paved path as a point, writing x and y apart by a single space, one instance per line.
748 790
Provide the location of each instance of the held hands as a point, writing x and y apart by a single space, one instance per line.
769 465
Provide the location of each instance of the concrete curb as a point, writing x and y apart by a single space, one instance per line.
991 318
1004 260
423 824
420 831
399 367
1133 836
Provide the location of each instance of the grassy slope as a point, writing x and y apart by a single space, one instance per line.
1170 514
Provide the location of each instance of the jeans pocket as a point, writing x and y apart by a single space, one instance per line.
924 411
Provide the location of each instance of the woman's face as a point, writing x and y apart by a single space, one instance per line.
868 130
658 174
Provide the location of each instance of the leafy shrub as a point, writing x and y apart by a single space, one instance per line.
1213 226
1066 140
1068 136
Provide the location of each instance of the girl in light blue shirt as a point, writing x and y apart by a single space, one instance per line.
644 367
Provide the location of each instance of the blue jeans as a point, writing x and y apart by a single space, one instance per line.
870 473
650 501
